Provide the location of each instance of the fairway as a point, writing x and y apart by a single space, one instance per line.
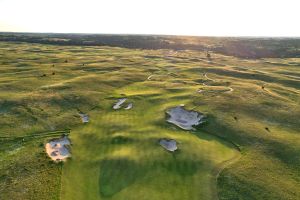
247 148
117 156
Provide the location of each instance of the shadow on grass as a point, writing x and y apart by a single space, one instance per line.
183 167
117 174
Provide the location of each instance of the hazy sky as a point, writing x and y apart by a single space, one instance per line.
175 17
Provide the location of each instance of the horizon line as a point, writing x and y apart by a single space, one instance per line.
151 34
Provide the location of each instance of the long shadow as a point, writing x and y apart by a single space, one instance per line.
117 174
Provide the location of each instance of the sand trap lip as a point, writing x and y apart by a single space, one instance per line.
57 149
84 117
129 106
168 144
119 103
183 118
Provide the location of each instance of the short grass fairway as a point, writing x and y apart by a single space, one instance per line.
248 148
118 156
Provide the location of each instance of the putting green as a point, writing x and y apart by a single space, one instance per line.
117 155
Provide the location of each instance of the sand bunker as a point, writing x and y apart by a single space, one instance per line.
57 149
183 118
168 144
119 103
129 106
84 117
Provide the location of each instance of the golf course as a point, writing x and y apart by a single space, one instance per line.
178 118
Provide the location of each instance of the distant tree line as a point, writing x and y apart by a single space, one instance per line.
239 47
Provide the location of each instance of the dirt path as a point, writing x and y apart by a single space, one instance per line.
205 75
149 77
230 89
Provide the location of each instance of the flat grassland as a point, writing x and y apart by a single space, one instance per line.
249 147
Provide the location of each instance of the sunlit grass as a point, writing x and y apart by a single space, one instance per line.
116 155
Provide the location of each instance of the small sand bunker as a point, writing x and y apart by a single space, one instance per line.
129 106
57 149
183 118
119 103
168 144
84 118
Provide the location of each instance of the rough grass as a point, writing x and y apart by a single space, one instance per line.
117 155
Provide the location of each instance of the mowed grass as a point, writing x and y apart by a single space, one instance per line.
117 155
118 152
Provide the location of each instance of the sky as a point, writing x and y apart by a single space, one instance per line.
170 17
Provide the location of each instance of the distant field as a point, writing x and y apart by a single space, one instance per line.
249 147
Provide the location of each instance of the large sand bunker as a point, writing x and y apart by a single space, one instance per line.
183 118
57 149
168 144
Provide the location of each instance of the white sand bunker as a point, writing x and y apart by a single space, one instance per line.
119 104
183 118
57 149
129 106
84 117
168 144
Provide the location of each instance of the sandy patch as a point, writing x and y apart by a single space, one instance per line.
183 118
119 103
129 106
168 144
57 149
84 118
